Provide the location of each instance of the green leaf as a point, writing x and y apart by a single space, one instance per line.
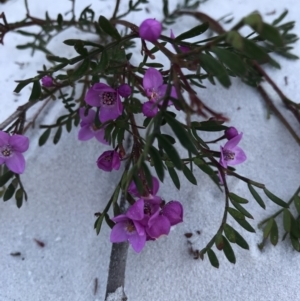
230 233
240 241
245 225
295 227
256 196
235 39
235 213
254 20
237 198
241 209
174 177
44 137
73 42
148 175
81 70
296 203
208 126
268 228
231 60
57 135
213 67
295 243
271 34
69 125
157 162
21 85
182 135
274 234
19 197
287 220
195 31
189 175
36 91
280 18
228 251
275 199
6 177
170 151
9 192
98 223
213 258
108 28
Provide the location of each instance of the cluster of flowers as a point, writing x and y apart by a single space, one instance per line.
147 219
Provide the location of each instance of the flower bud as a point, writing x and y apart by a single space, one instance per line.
47 81
109 160
231 133
150 30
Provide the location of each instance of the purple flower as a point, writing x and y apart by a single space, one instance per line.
11 149
128 227
107 98
124 90
155 89
149 109
109 160
88 129
231 133
231 154
148 192
182 48
47 81
174 212
150 30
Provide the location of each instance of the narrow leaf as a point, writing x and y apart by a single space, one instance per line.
287 220
274 234
228 251
9 192
213 258
256 196
174 177
57 135
275 199
157 162
241 209
19 197
295 243
44 137
219 241
5 178
230 233
237 198
297 203
189 175
195 31
268 228
240 241
36 91
108 28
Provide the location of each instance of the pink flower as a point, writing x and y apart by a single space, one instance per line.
155 89
88 129
107 98
231 154
150 30
11 149
47 81
182 48
109 160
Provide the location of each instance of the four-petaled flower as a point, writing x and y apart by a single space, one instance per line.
150 30
109 160
231 154
88 129
155 89
107 98
11 149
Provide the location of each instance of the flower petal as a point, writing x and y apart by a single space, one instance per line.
116 163
174 212
239 157
137 242
19 143
111 112
136 211
92 97
230 144
99 135
120 218
16 163
88 118
149 109
152 79
4 138
100 87
158 225
85 133
119 233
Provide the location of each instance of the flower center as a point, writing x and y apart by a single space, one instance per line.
93 127
228 155
6 151
130 227
154 94
108 158
147 209
108 98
